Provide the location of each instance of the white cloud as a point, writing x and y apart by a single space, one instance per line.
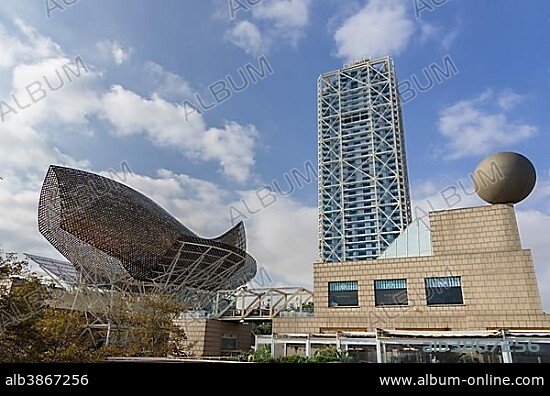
283 238
429 195
272 22
475 126
26 153
60 95
427 31
167 124
247 36
60 100
18 219
509 99
26 46
534 226
380 28
116 51
233 146
30 120
445 35
449 38
42 95
289 17
284 13
168 83
385 27
540 197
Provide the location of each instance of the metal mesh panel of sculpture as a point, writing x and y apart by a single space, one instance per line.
114 235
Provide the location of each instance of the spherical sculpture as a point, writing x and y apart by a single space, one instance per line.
504 178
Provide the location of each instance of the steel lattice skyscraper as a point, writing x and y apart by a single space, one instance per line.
364 199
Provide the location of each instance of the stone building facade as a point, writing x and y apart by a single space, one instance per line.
477 277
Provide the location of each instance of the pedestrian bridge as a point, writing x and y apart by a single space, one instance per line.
262 304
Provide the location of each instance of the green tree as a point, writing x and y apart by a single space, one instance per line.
33 330
30 331
145 326
263 328
327 354
263 355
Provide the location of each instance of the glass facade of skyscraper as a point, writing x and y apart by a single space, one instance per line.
364 199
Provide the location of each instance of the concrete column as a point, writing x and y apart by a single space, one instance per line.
506 355
308 347
378 349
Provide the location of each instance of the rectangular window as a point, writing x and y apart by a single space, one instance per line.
390 292
228 343
343 294
445 290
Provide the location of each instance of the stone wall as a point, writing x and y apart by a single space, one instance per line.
205 335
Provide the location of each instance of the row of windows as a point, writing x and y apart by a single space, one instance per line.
439 291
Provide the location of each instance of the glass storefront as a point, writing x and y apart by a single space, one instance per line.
532 352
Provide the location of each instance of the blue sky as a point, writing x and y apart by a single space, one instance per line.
145 59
